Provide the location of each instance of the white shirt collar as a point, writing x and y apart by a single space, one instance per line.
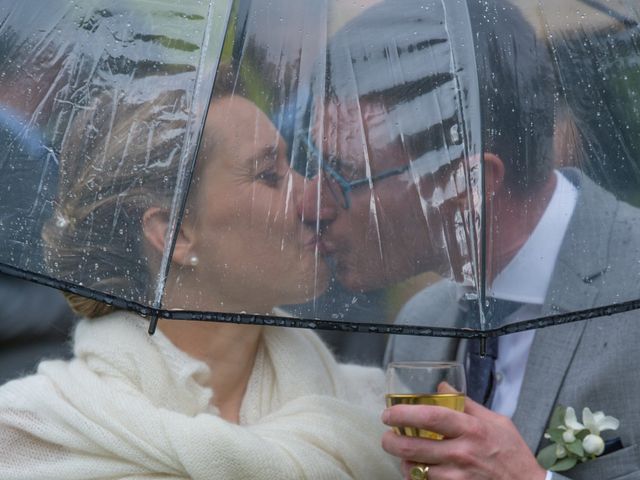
526 278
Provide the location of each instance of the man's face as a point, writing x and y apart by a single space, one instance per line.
386 228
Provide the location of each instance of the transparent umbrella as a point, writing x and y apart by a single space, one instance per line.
318 164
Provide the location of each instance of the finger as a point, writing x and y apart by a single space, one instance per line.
444 387
416 450
471 407
477 410
405 468
442 420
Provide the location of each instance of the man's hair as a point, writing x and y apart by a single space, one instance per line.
399 54
517 92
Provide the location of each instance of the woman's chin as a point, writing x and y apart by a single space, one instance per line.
309 285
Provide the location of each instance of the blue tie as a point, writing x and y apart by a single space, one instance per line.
481 368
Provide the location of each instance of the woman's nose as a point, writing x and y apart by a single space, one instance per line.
317 205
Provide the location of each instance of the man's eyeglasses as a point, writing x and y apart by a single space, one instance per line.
341 177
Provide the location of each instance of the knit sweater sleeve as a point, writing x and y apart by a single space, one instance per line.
129 407
109 434
311 437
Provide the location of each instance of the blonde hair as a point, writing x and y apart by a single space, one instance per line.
86 307
118 160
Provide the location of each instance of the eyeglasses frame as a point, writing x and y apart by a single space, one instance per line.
346 186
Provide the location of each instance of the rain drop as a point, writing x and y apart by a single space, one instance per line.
61 222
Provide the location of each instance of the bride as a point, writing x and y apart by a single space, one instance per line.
195 400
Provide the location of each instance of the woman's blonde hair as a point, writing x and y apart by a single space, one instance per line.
118 159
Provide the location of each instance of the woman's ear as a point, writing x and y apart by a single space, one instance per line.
155 226
493 171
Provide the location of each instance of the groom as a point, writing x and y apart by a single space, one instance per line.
585 241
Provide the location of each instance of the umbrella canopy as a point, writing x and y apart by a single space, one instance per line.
313 164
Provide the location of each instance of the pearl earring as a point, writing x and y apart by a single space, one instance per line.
193 260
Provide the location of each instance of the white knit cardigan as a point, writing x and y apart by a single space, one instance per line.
130 406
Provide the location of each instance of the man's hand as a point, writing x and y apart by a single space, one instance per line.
478 445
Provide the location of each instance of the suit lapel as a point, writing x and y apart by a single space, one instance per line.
551 353
582 257
584 254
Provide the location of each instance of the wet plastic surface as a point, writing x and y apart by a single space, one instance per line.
325 164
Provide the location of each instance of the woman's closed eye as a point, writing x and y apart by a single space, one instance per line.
266 167
270 177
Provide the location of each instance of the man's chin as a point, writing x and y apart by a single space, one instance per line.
353 280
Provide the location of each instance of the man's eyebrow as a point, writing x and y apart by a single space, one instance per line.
408 91
430 139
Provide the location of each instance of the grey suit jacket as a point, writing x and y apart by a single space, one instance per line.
593 363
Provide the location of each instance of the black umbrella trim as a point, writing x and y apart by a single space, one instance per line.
317 324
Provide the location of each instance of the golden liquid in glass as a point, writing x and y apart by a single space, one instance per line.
454 401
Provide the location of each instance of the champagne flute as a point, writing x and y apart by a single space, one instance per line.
416 383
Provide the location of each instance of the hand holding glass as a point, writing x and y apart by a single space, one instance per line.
421 383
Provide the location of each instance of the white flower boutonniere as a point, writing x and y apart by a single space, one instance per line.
572 441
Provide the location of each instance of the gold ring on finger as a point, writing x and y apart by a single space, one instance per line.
419 472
